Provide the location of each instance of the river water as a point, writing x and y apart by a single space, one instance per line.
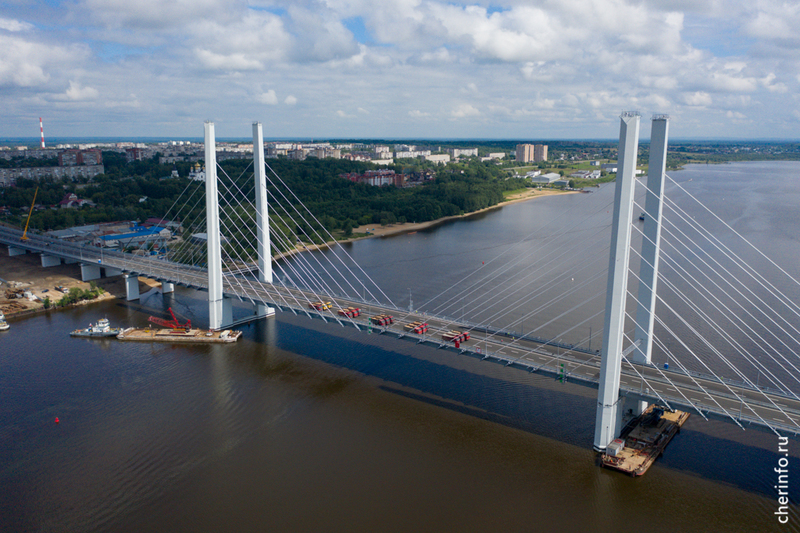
306 426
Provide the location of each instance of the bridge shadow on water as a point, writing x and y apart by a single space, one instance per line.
528 402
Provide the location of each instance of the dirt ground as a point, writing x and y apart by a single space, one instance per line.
26 272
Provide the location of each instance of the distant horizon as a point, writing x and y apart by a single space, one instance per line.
156 139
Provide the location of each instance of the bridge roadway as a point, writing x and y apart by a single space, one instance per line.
743 402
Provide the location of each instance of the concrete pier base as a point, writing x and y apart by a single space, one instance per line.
50 260
131 287
90 272
264 311
167 288
14 251
223 309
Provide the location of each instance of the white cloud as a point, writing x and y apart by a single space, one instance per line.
26 63
78 93
697 99
571 64
319 36
269 98
775 21
465 110
439 55
248 43
227 62
14 25
152 15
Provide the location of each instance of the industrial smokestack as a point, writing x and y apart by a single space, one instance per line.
41 130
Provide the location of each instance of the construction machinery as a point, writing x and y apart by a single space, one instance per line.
173 324
25 233
350 312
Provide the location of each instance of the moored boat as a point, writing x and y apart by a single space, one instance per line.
101 329
3 324
643 440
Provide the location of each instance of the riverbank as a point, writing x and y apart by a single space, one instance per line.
26 273
372 231
394 229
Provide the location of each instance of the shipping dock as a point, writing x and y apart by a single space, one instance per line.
643 440
199 336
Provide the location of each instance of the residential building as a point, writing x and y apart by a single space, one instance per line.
439 159
463 152
71 201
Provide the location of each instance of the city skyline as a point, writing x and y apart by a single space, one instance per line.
402 69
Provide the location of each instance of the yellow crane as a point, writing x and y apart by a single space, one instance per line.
25 233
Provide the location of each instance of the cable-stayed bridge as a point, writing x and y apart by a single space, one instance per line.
244 230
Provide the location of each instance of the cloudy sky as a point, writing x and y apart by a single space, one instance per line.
522 69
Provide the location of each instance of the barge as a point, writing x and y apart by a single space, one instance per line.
643 440
179 335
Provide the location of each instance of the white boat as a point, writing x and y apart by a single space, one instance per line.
3 324
101 329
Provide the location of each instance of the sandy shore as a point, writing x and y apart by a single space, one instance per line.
392 229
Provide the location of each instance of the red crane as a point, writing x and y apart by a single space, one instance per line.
174 324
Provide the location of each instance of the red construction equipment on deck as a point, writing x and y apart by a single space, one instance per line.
173 324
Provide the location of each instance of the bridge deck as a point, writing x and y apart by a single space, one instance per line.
743 402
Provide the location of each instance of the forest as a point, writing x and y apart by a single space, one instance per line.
140 190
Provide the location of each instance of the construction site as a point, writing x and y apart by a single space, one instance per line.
25 284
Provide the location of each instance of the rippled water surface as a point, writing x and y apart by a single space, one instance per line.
305 426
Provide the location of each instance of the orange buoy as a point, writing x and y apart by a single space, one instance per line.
56 420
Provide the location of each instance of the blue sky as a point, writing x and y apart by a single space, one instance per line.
399 68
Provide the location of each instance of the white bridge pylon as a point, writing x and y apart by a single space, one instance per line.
220 313
610 405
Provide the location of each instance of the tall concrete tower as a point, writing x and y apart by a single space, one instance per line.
262 216
219 308
609 412
651 244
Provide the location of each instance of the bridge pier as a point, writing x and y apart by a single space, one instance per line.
111 271
262 217
167 287
610 405
226 308
50 260
131 287
13 251
89 272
